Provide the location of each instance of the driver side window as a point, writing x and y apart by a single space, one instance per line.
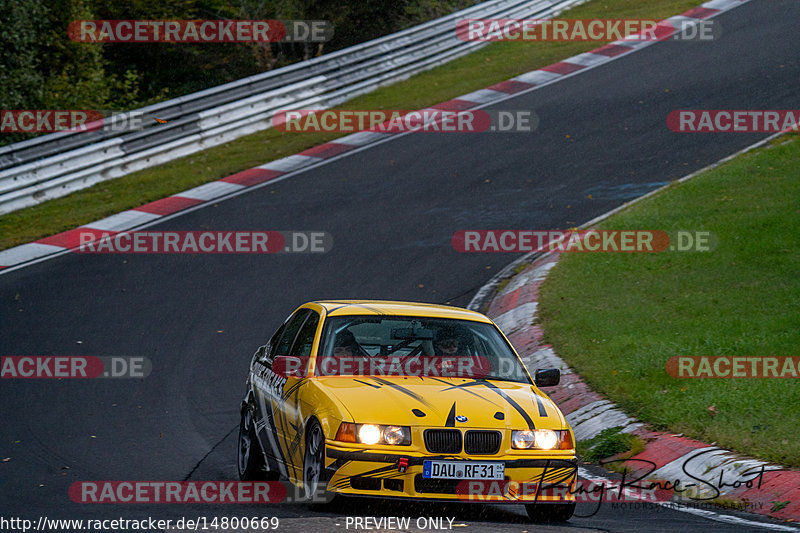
305 339
290 329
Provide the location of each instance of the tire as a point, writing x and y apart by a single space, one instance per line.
314 477
249 458
313 460
550 512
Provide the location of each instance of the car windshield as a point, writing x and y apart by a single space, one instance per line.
416 346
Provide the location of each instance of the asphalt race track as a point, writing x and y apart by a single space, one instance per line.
392 210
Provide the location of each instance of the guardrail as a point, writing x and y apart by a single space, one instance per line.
57 164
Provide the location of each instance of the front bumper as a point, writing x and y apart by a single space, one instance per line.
529 477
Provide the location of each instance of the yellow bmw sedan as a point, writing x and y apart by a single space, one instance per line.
405 400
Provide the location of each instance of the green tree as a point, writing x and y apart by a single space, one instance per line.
41 68
20 49
75 73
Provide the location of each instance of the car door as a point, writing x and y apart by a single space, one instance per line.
269 387
292 427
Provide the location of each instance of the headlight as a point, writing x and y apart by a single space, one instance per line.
369 434
546 439
374 434
541 439
394 435
522 440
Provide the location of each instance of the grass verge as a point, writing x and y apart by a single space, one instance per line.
607 443
492 64
618 318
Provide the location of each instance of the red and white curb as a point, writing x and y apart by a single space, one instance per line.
674 456
224 188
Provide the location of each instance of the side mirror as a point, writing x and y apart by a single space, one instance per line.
259 355
547 377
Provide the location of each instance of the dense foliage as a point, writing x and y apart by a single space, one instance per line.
41 68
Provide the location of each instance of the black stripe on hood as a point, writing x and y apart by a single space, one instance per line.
506 397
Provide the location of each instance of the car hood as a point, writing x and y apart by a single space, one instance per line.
441 402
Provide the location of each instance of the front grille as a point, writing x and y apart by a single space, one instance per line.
365 483
438 486
482 442
443 440
393 484
424 485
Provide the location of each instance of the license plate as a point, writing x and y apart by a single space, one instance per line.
462 470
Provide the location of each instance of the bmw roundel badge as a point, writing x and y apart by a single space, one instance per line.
461 418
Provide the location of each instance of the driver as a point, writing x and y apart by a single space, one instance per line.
447 342
345 344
